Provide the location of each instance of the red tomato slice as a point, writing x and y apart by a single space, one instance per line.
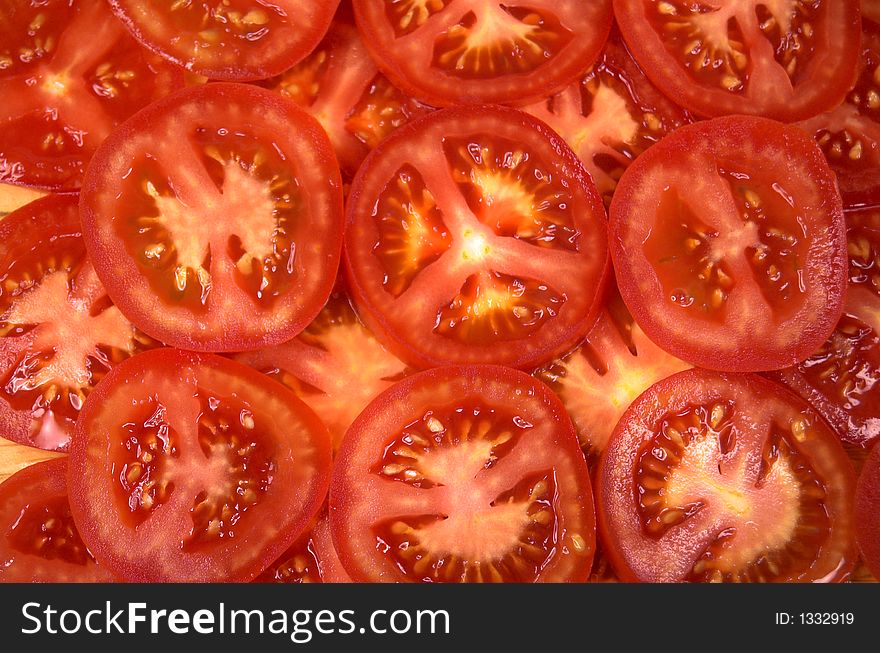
871 9
59 332
339 84
786 60
723 477
842 378
193 468
732 229
463 474
233 40
336 366
868 512
474 235
69 73
447 52
600 379
611 115
39 542
212 228
850 133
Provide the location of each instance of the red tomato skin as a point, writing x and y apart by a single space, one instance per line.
868 512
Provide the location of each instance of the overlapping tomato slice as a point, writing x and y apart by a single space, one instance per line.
448 52
59 331
69 73
788 59
474 235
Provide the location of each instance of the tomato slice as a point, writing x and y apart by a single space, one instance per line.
212 228
722 477
69 73
842 378
871 10
611 115
189 467
474 235
849 134
732 229
600 379
39 542
447 52
463 474
59 332
788 60
232 40
336 366
339 84
868 512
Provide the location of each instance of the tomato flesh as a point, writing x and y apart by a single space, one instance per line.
867 512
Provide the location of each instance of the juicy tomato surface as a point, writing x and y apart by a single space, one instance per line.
189 467
722 477
463 474
600 379
610 115
841 379
336 366
729 244
69 73
39 542
59 331
868 512
232 40
212 228
787 60
474 235
448 52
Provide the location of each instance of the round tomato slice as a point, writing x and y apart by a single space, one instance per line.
59 331
339 84
189 467
600 379
850 133
787 60
868 512
475 236
69 73
233 40
39 542
463 474
714 477
336 366
611 115
732 229
447 52
842 378
213 229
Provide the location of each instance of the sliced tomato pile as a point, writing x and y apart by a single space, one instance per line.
69 73
463 474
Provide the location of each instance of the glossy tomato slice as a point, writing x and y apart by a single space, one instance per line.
732 229
191 468
212 228
448 52
723 477
59 331
339 84
786 60
463 474
868 512
336 366
610 115
842 378
600 379
849 134
233 40
69 73
474 235
39 542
